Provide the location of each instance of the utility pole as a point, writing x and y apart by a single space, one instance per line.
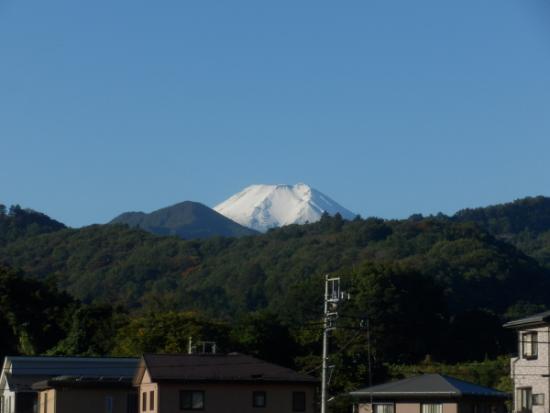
333 296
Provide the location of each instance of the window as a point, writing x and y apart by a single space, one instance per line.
383 408
538 399
258 399
191 400
44 402
108 404
143 401
524 399
1 404
529 345
432 408
151 400
298 401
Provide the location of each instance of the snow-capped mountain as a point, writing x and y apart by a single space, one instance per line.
266 206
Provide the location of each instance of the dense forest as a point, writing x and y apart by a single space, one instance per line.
524 223
434 291
16 223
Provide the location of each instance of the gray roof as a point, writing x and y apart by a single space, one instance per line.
21 383
535 319
218 367
21 371
81 381
72 366
429 385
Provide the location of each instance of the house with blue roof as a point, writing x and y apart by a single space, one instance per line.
23 378
429 393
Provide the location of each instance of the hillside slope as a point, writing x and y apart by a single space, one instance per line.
187 220
17 223
524 223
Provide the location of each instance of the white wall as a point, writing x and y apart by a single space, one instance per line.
529 373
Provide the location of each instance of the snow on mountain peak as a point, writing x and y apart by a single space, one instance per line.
266 206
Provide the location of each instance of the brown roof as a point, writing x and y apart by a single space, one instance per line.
218 367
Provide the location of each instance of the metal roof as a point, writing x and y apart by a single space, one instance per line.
21 383
540 318
82 381
19 372
218 367
429 385
82 366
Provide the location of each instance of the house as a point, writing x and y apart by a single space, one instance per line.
19 373
429 393
530 370
221 383
92 394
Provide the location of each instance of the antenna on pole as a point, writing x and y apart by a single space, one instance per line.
202 347
333 296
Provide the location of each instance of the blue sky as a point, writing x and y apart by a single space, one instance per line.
389 107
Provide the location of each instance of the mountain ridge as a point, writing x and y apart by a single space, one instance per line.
187 220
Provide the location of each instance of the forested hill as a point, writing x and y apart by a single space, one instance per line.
16 223
524 223
279 270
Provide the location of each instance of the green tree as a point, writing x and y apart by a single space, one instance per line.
261 334
92 331
32 313
406 310
168 333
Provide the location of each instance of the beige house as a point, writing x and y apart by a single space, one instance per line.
530 370
66 394
221 383
19 373
429 393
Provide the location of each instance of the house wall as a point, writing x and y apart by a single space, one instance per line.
46 401
71 400
461 406
486 406
5 396
529 373
228 398
408 407
17 402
